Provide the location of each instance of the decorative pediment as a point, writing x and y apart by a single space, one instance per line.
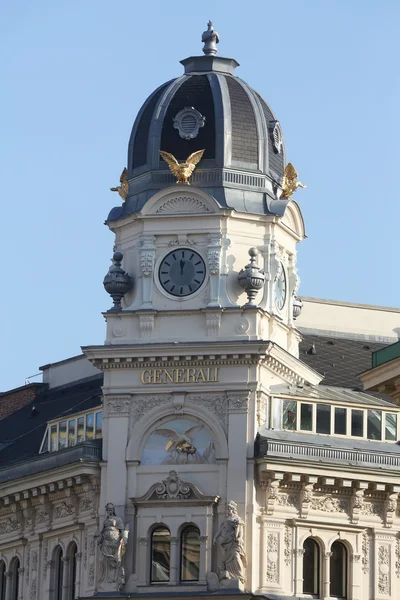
183 204
173 489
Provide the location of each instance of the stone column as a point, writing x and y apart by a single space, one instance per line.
205 559
174 566
326 576
143 561
8 584
214 259
354 577
66 579
298 571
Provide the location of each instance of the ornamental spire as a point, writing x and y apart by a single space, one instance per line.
210 39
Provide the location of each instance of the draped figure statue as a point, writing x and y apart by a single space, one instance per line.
112 543
230 538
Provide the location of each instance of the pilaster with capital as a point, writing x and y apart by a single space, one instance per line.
298 571
326 585
214 263
147 251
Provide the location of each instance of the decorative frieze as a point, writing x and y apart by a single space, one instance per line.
63 510
143 404
397 557
238 403
329 504
216 404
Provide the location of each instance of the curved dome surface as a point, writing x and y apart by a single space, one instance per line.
208 108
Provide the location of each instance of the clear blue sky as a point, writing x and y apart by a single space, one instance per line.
74 74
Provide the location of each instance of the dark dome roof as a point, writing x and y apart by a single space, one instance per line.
209 108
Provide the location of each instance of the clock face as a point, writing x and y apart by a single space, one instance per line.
182 272
280 289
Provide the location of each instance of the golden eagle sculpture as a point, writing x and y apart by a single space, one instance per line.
182 171
290 182
122 189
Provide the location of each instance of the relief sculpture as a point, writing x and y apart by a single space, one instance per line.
230 539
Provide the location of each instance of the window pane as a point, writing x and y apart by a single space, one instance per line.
71 432
90 426
190 554
99 424
311 567
306 417
374 425
391 427
340 421
357 425
160 554
323 418
53 438
62 434
81 430
289 414
338 564
3 582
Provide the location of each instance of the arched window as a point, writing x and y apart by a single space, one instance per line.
338 568
160 555
190 553
14 581
57 574
2 581
72 570
311 567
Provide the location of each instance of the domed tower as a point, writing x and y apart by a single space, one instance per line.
203 281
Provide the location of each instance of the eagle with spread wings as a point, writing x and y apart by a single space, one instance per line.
290 182
182 171
181 442
122 189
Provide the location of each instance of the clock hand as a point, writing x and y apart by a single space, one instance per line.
182 263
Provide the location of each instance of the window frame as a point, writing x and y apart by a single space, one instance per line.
159 526
349 410
187 526
317 576
73 417
345 571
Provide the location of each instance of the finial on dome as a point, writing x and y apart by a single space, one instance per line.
210 39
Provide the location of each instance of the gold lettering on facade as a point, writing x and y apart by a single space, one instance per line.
179 375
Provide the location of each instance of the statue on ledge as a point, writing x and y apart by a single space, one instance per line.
230 538
112 542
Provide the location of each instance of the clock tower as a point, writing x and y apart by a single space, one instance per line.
204 283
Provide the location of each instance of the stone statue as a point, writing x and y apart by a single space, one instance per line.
112 542
230 538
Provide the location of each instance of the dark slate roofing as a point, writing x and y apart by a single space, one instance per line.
21 433
339 360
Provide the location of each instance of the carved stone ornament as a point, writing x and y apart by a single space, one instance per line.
239 404
365 552
63 510
329 504
188 121
276 136
397 557
213 323
288 545
118 406
143 404
215 404
272 557
183 205
146 325
173 489
383 569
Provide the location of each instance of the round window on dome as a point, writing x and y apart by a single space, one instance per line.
188 122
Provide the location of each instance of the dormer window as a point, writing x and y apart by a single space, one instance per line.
323 418
68 432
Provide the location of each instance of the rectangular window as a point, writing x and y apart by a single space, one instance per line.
80 435
390 427
99 425
90 426
357 423
71 432
340 421
374 425
289 414
306 417
323 418
62 433
53 438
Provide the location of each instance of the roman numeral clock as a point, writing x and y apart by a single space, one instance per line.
182 272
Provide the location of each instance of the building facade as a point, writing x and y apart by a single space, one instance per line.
209 446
